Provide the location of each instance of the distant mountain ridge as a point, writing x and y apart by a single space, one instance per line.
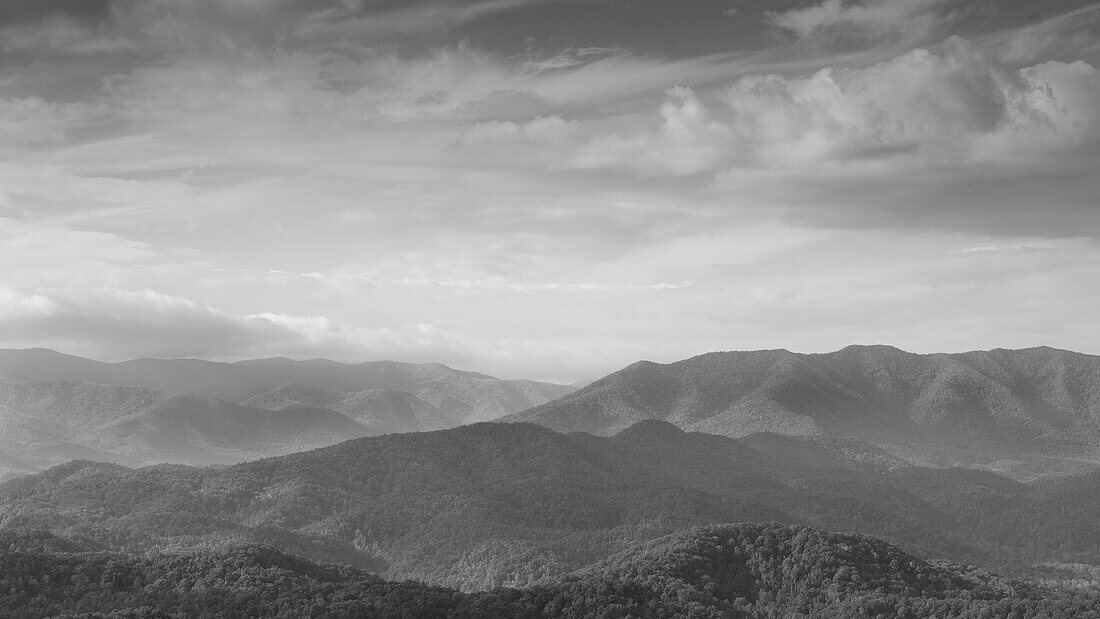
49 422
237 381
971 408
56 407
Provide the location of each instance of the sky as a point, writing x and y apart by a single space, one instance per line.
548 189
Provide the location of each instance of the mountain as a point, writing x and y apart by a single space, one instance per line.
477 396
381 411
56 407
46 423
491 505
731 570
1025 412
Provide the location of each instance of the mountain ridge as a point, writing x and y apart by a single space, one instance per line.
333 400
48 422
490 505
931 409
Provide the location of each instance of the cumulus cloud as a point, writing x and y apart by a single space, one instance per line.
949 106
921 108
682 138
688 140
927 140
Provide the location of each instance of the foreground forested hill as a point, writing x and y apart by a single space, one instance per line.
735 570
492 505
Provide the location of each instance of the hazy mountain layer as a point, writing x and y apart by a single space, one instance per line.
740 570
473 396
513 504
46 423
1017 410
55 408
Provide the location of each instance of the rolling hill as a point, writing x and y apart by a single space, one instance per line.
732 570
1025 412
491 505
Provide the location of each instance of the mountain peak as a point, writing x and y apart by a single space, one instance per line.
879 348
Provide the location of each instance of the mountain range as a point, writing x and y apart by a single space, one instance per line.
1025 412
491 505
55 407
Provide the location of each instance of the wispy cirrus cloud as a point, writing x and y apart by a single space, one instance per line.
914 20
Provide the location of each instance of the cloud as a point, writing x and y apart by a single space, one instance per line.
61 36
687 141
917 102
219 27
366 19
912 141
32 120
479 201
123 322
914 19
117 324
24 11
1068 35
139 322
48 255
921 108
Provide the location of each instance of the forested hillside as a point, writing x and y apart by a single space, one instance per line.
1025 412
749 570
493 505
